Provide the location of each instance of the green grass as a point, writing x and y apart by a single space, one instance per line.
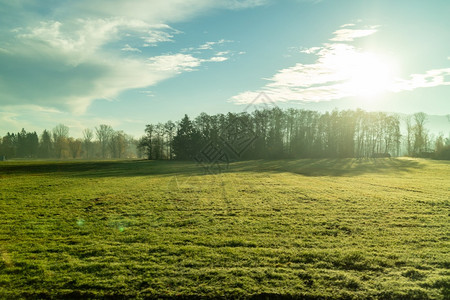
291 228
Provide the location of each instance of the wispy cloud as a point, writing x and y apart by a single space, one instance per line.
349 35
178 63
218 59
158 34
348 25
130 49
148 93
311 50
80 54
210 45
175 63
337 73
431 78
207 46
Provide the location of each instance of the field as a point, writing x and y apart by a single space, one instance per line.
313 229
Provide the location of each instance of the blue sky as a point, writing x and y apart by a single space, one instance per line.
130 63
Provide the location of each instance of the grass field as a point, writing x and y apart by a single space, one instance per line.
292 228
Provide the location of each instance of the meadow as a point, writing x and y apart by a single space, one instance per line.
310 229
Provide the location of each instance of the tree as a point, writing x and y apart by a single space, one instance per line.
439 143
145 143
186 143
118 144
169 128
9 145
409 136
74 147
104 133
289 133
88 135
32 144
21 143
60 136
442 151
158 141
46 145
420 138
27 144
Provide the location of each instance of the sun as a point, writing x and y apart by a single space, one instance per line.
368 75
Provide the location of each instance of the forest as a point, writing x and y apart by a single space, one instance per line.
100 143
262 134
293 133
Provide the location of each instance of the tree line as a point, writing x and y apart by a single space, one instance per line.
293 133
262 134
101 142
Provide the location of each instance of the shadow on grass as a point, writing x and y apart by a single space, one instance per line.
330 167
129 168
120 168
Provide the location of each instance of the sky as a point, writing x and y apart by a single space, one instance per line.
129 63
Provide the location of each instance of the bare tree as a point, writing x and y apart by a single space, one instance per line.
60 136
88 135
420 137
104 133
169 128
118 144
409 135
74 146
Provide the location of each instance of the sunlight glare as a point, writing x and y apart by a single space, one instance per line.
369 75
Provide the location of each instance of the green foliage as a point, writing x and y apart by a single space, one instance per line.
317 229
277 133
58 144
187 141
443 153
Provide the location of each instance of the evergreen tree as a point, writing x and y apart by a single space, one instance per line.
187 141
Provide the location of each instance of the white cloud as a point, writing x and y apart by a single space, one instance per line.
207 46
178 63
5 51
148 93
68 62
311 50
321 81
166 11
222 53
66 66
159 34
9 121
210 45
431 78
240 4
130 49
218 59
341 70
348 35
75 41
175 63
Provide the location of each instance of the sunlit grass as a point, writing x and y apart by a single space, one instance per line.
318 228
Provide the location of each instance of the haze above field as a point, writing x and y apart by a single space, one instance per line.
84 63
